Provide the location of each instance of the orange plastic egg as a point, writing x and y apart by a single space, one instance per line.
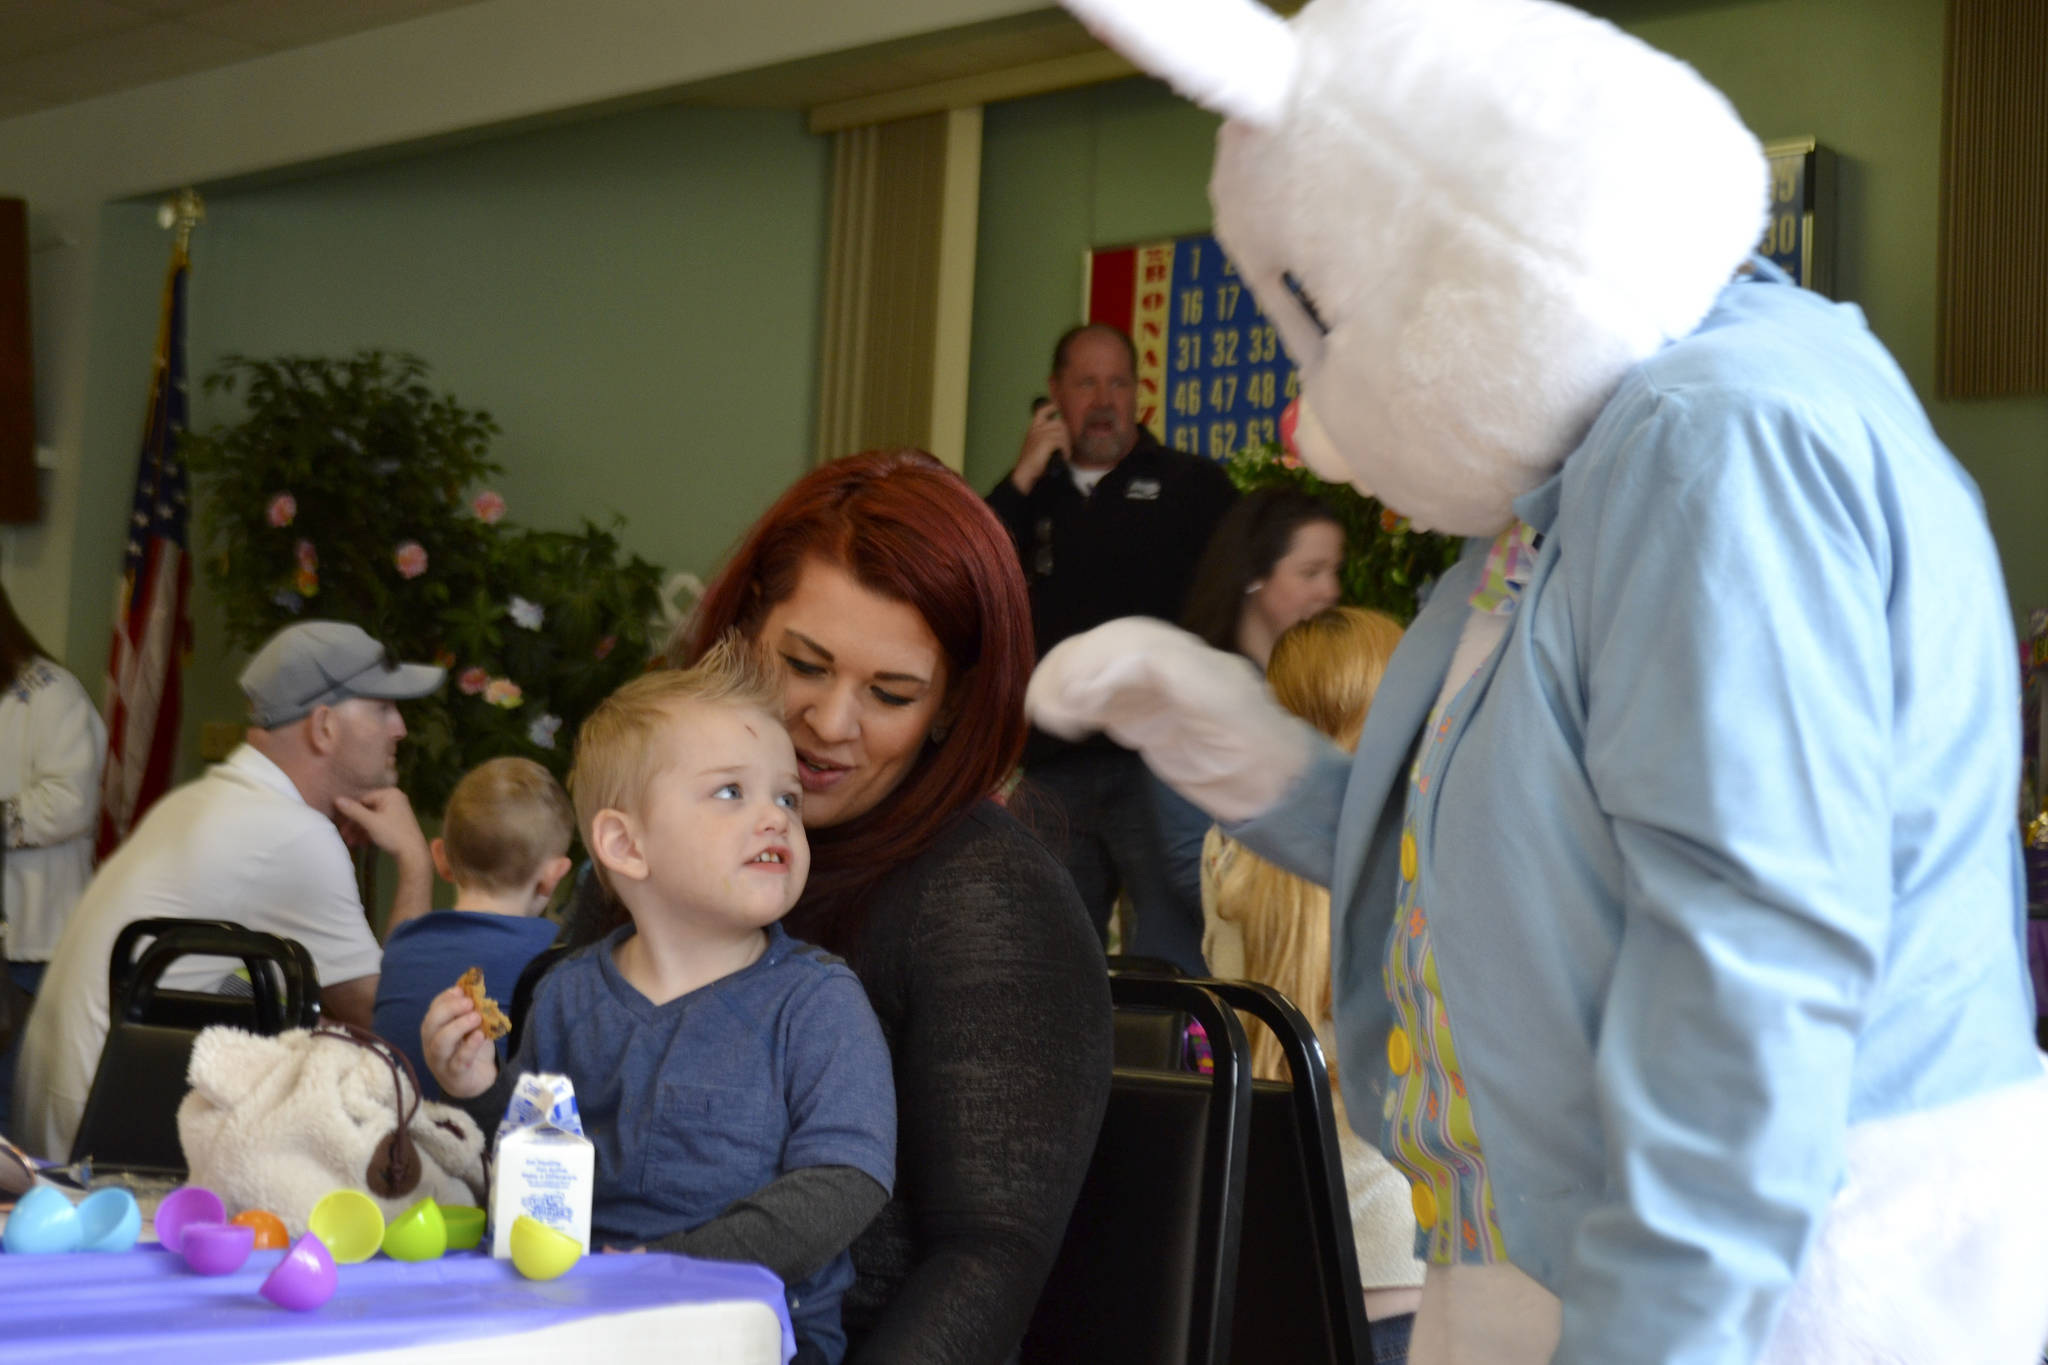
270 1233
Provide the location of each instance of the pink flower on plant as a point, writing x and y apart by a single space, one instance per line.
411 558
307 583
504 692
473 681
309 558
488 507
607 645
282 509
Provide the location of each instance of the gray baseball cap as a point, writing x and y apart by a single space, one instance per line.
322 663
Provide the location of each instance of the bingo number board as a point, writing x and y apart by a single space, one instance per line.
1212 376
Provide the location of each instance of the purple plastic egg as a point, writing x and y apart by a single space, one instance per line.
217 1248
304 1279
185 1205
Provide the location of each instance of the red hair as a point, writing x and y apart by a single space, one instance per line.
909 529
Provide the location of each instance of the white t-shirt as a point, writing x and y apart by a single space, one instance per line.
238 844
51 747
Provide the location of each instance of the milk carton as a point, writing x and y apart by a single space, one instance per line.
543 1166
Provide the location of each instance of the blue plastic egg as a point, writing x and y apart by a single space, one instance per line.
43 1221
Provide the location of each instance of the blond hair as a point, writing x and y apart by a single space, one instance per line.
1325 670
504 819
617 750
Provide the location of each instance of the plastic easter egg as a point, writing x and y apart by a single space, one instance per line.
418 1234
349 1224
541 1252
465 1223
304 1279
109 1220
217 1248
43 1221
186 1204
270 1231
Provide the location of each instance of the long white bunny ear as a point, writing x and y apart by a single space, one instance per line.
1233 57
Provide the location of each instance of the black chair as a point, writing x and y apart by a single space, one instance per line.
522 993
1153 1040
197 1009
131 1113
1298 1298
1145 1273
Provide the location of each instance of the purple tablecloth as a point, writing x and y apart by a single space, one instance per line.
145 1307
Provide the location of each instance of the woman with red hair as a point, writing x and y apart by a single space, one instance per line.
891 600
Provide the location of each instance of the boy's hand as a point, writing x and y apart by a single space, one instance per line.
452 1039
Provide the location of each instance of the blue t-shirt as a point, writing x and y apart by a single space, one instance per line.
425 955
699 1102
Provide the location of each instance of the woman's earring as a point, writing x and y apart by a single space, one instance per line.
939 733
1251 589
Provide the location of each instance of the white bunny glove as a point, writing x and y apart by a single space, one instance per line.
1201 718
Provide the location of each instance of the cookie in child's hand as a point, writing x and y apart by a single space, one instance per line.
496 1025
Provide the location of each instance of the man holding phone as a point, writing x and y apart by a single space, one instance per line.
1107 523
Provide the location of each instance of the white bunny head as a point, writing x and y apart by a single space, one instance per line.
1468 219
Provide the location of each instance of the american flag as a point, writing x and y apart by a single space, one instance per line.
151 630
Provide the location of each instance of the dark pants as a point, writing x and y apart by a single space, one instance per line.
28 976
1112 840
1390 1339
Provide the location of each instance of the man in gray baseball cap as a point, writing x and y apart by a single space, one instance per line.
323 663
261 839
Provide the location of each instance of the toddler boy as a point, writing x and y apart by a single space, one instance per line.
734 1081
504 844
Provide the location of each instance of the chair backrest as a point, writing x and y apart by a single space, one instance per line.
522 993
1146 1269
1298 1297
282 962
131 1113
1153 1040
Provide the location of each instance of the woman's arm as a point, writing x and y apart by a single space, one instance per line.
60 788
1002 1075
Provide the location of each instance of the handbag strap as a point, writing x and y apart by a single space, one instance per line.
399 1157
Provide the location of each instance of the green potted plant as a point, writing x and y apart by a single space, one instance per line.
349 488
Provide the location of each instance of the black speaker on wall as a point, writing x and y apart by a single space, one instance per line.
19 500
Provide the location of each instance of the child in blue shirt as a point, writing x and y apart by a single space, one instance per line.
734 1081
504 844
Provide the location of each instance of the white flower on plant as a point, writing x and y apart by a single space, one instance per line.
543 730
525 613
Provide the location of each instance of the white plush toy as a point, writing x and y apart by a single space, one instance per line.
1675 880
279 1122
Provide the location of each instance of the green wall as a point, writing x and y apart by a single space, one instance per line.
1108 165
1103 166
633 298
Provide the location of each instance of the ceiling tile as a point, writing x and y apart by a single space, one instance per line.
279 24
15 100
31 26
155 52
167 9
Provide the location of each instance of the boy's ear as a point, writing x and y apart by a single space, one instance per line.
440 851
615 843
551 874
